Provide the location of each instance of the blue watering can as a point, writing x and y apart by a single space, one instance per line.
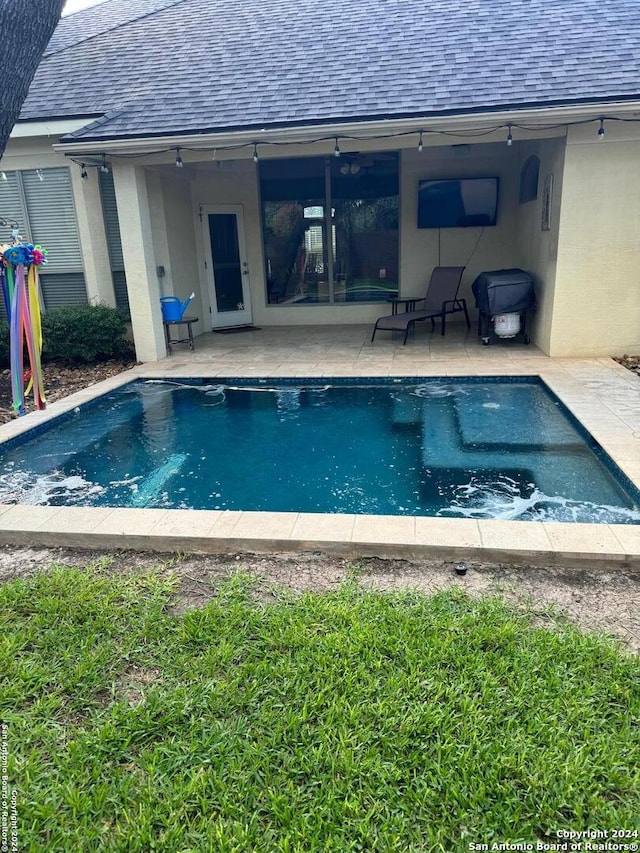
172 308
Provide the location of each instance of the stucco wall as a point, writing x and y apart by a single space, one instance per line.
537 249
478 250
182 269
596 308
174 246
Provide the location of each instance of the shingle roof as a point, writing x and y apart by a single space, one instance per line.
172 66
97 20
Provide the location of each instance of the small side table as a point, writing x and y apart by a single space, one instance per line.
409 304
183 321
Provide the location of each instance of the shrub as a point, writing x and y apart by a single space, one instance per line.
84 334
4 343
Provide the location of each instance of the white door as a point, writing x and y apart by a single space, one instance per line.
227 266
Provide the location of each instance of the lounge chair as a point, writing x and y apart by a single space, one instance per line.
440 299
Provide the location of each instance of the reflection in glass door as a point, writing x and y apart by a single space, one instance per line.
227 266
331 228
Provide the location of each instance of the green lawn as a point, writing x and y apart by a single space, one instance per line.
338 722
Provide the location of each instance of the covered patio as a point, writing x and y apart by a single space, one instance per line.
263 243
347 350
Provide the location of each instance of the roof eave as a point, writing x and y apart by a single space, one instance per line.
367 126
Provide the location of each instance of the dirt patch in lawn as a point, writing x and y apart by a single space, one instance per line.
595 599
134 683
59 382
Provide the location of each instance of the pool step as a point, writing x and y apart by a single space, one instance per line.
407 411
153 484
514 417
551 471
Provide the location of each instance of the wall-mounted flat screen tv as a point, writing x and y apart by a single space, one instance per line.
457 203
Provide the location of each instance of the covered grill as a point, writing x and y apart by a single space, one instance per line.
504 296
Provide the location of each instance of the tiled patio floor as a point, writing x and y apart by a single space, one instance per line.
602 395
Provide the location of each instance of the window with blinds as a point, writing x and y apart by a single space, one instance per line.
41 202
12 205
114 244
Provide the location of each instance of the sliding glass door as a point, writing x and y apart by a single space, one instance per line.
330 228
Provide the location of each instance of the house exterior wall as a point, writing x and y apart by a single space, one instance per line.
93 238
236 182
537 250
596 305
174 241
179 250
423 249
37 153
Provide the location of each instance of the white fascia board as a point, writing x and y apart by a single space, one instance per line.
55 127
552 116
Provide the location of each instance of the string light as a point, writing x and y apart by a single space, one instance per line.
459 134
83 173
255 153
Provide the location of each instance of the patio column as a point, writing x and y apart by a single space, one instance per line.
134 214
93 240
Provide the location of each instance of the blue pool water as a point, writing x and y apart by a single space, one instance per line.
468 448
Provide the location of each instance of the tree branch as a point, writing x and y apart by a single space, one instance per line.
26 29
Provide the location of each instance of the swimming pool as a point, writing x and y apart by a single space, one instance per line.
476 448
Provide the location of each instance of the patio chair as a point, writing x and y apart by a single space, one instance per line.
440 299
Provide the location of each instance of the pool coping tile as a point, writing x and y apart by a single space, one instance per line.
583 539
447 532
629 537
514 536
79 519
136 521
323 527
181 522
21 517
272 525
224 523
384 529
